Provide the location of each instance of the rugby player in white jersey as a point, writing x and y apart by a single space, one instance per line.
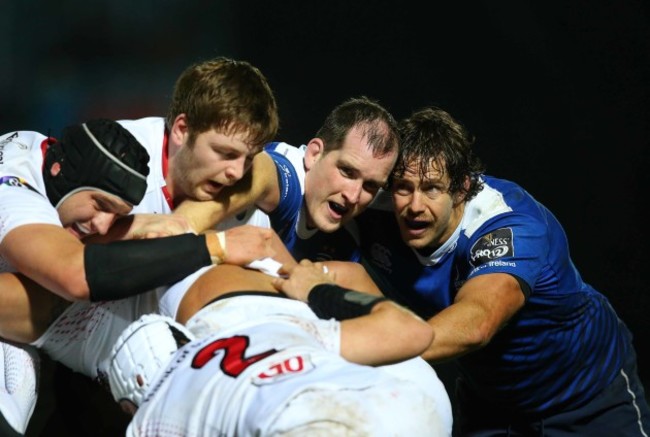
258 363
208 144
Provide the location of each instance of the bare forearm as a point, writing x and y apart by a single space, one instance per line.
483 305
352 275
457 333
259 188
387 335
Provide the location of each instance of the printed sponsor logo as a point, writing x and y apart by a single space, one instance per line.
279 371
285 176
14 181
10 139
492 246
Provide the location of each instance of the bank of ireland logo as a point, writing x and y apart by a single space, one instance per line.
497 244
380 256
14 181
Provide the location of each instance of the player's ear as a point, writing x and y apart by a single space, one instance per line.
315 149
459 197
179 131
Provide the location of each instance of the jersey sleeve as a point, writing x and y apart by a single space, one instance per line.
22 191
512 243
290 188
21 204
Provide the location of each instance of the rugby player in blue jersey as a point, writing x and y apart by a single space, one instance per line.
539 351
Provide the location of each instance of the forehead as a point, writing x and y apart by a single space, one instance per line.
356 147
431 171
356 140
110 202
227 139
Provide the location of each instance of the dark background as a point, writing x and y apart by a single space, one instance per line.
558 95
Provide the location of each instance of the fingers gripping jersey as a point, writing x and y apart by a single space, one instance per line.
274 371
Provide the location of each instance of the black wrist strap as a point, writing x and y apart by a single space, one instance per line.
332 301
125 268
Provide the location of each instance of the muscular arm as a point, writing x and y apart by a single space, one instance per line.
483 305
61 263
259 187
352 275
388 334
226 278
53 257
136 226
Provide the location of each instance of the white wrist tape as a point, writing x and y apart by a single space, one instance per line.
266 265
221 258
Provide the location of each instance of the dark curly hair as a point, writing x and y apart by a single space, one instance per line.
431 136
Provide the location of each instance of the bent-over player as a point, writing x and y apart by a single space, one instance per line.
258 363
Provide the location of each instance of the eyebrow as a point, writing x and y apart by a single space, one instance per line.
342 162
113 205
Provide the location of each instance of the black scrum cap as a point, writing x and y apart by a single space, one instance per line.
99 154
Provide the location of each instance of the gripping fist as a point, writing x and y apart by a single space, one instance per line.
302 278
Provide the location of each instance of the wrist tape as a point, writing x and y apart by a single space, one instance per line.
125 268
331 301
220 257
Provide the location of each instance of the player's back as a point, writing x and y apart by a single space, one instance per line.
264 363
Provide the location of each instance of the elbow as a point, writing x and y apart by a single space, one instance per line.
421 338
77 294
417 336
479 337
74 290
467 342
475 339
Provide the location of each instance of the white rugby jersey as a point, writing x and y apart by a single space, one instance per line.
151 133
83 335
23 199
264 364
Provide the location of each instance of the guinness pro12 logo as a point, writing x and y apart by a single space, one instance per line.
497 244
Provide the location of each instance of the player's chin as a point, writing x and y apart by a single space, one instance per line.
329 224
415 240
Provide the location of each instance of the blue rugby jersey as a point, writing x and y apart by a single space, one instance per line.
288 218
566 343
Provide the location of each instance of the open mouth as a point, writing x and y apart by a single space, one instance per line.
338 209
213 187
416 225
79 230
